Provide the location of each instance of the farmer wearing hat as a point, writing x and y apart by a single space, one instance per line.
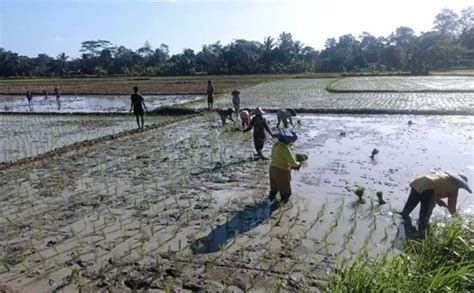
429 190
236 101
284 115
259 125
283 161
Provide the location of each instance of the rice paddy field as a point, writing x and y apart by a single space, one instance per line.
87 103
405 84
181 205
311 94
25 136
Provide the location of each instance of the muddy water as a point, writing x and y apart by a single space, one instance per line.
187 201
339 148
86 103
324 207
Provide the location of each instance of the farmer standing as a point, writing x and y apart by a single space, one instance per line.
136 105
58 98
210 95
285 116
283 161
236 101
259 125
29 97
428 191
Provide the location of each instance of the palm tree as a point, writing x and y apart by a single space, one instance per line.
62 59
268 43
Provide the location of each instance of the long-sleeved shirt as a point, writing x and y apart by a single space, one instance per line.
282 157
443 186
259 125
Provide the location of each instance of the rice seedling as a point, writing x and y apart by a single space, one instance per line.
360 193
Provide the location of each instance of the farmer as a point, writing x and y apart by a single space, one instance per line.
429 190
210 95
136 105
245 117
283 161
225 114
236 101
29 97
285 116
259 125
58 98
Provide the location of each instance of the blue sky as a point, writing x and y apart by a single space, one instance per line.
30 27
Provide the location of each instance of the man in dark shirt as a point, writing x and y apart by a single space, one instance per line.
259 125
210 94
137 103
29 97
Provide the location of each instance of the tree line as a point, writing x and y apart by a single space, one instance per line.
449 44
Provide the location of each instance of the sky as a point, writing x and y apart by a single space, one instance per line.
30 27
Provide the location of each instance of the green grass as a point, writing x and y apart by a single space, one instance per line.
443 262
459 72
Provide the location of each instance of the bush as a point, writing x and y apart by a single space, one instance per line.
443 262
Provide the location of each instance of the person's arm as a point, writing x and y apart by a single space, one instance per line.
250 126
131 105
143 102
291 160
441 203
268 129
291 121
452 201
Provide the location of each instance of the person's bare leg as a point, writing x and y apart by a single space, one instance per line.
143 124
138 120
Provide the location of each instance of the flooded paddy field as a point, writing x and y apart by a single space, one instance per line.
183 206
311 94
24 136
405 83
88 103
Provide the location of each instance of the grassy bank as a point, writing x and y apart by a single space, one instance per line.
444 262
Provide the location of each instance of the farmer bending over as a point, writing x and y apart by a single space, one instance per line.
283 161
284 116
137 102
259 125
225 114
429 190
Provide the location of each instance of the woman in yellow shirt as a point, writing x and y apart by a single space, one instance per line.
283 161
429 190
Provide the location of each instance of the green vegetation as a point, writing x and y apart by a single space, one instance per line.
443 262
448 45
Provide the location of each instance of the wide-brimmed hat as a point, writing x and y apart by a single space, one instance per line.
235 93
258 111
461 180
286 135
